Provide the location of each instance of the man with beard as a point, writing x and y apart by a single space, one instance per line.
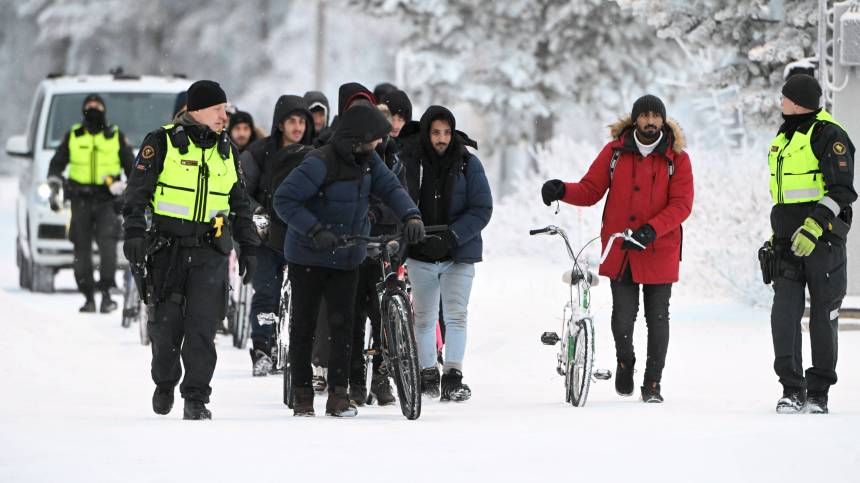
296 128
449 185
652 194
188 175
96 154
318 208
242 131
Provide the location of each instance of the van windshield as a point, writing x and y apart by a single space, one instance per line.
135 113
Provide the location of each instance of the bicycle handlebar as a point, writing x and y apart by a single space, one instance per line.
539 231
344 240
627 235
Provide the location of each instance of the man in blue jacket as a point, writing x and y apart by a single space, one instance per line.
450 187
325 197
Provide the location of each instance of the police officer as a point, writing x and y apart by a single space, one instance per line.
96 153
188 174
811 181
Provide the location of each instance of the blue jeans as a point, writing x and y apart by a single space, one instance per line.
267 292
452 284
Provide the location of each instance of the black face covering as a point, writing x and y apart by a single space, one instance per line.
94 118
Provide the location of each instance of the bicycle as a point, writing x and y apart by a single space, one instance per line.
398 345
281 351
238 322
133 308
577 351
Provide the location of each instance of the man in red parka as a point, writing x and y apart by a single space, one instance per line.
652 194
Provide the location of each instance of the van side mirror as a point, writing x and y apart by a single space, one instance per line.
17 146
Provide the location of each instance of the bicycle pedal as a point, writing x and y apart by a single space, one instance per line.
549 338
602 374
370 352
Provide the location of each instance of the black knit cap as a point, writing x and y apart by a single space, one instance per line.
648 103
93 97
803 90
398 103
205 93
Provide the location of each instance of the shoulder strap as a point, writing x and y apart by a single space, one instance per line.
179 139
670 166
109 131
332 167
224 145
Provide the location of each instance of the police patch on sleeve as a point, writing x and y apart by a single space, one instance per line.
839 148
147 152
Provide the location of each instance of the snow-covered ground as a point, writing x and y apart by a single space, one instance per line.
75 403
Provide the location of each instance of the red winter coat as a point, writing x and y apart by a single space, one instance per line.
641 193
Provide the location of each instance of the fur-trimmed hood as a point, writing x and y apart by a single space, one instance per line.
617 131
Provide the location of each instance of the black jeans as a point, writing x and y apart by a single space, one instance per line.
92 218
309 284
825 273
186 327
625 307
366 306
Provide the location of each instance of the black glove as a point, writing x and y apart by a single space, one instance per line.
644 235
437 245
134 251
325 240
247 267
54 197
413 231
552 190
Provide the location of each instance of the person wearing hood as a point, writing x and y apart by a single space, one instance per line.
325 197
319 107
96 153
651 193
242 130
450 187
296 126
812 186
382 89
347 95
187 173
401 110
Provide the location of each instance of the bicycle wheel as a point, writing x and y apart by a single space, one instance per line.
284 342
403 352
143 319
242 324
580 348
130 300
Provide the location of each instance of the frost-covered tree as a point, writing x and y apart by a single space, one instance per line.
738 45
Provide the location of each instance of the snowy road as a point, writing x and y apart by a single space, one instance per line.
75 402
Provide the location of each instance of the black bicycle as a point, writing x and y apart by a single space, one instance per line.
398 345
281 351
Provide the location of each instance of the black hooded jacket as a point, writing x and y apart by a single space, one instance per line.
242 117
345 95
260 154
318 99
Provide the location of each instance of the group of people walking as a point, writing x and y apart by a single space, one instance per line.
372 169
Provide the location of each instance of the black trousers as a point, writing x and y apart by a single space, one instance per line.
366 306
309 285
94 218
195 289
824 273
625 307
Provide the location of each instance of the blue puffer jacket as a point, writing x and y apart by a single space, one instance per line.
341 206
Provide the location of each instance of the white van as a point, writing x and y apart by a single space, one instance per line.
136 104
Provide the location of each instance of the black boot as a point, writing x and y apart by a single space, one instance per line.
338 404
816 402
651 392
89 305
108 305
380 389
357 395
430 382
793 400
196 411
260 360
453 388
304 402
624 378
162 400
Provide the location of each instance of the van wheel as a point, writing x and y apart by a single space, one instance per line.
24 278
42 278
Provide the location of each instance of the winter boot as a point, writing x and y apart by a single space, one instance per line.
304 402
651 392
338 404
162 400
108 305
89 305
453 388
816 402
793 400
260 360
430 382
319 382
357 395
196 411
380 389
624 378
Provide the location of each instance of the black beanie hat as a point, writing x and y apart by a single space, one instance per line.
205 93
803 90
648 103
93 97
398 103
